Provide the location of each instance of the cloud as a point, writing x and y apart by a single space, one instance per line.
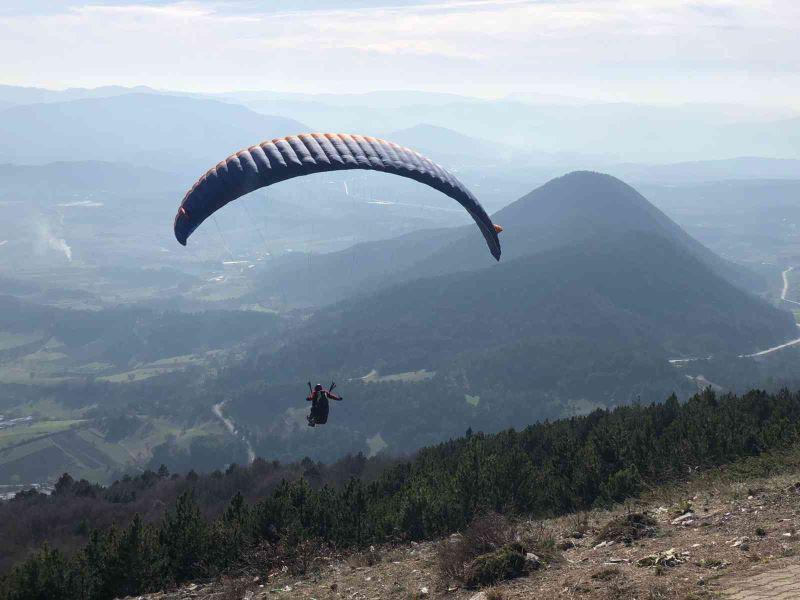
661 48
168 11
49 241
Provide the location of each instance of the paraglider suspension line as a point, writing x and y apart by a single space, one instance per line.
222 238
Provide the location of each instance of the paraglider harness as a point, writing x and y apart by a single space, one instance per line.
319 403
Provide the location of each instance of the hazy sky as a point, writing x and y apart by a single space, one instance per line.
662 50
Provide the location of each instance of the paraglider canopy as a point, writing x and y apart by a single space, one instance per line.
296 156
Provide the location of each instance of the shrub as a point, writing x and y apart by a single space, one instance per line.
605 574
628 528
485 534
506 563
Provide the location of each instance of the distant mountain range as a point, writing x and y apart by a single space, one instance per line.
641 133
378 99
742 168
565 132
449 145
159 131
55 180
10 94
618 131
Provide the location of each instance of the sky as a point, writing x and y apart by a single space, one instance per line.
671 51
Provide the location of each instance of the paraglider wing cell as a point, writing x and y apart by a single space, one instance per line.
304 154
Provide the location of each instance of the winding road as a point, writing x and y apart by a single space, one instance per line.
785 291
773 349
231 427
790 343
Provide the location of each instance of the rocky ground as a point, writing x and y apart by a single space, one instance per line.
715 540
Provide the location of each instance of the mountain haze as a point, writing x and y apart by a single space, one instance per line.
450 145
160 131
745 167
91 176
618 131
33 95
566 210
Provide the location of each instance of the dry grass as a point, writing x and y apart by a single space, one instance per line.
577 525
233 588
659 592
541 539
368 558
606 574
620 590
494 594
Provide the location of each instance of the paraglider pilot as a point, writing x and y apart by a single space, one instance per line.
319 403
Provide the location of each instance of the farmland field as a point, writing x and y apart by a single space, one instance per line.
10 340
21 434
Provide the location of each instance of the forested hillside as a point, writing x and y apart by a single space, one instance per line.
590 324
620 290
546 469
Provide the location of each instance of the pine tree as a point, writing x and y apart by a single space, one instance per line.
184 536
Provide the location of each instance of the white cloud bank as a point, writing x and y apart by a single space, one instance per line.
717 50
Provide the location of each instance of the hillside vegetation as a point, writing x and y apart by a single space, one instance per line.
593 323
727 533
547 469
